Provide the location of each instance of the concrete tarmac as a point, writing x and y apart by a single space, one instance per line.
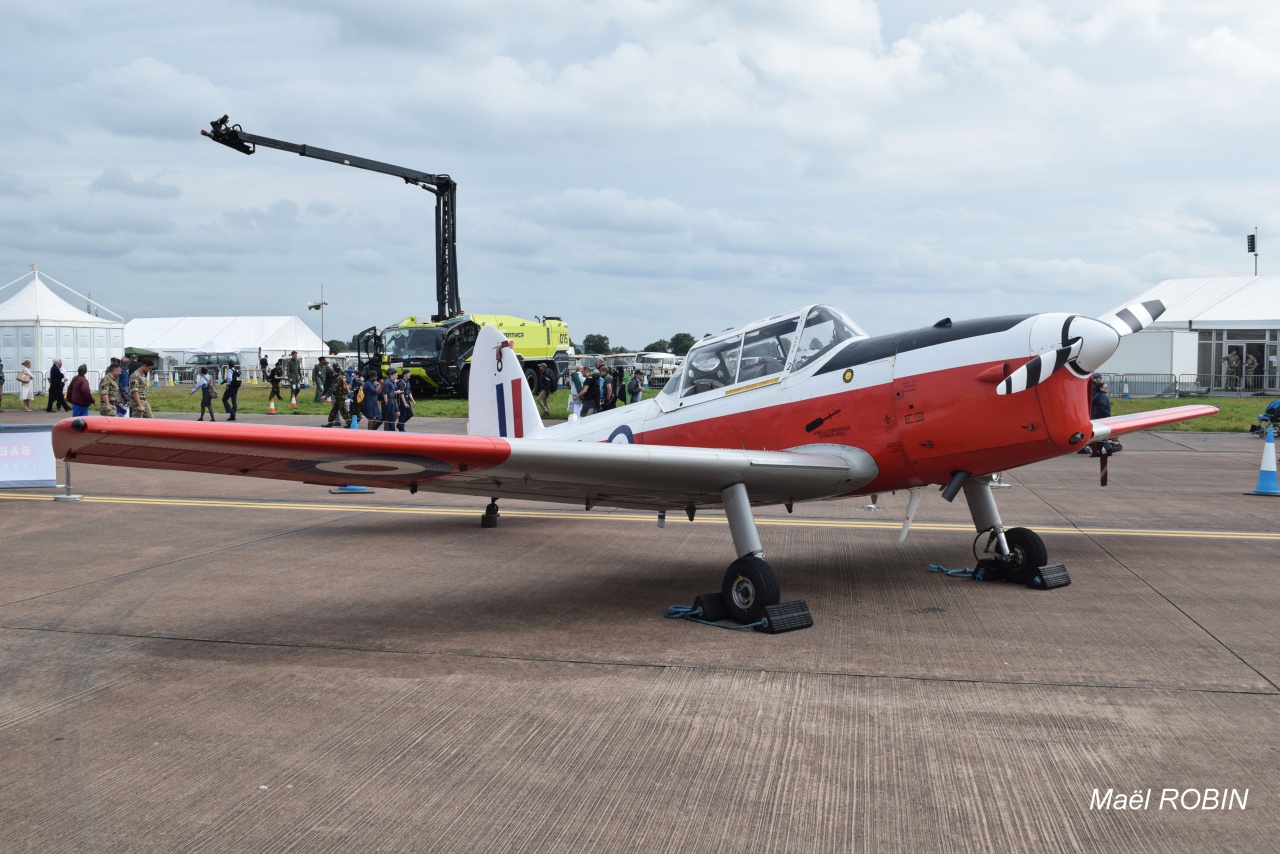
202 664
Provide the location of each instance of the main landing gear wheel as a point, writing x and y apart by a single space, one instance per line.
1026 554
749 585
490 517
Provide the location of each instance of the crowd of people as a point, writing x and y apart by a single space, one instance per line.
381 402
601 389
376 401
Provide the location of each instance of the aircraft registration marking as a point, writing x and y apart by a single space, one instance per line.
646 518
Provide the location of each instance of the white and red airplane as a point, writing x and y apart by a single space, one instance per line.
796 407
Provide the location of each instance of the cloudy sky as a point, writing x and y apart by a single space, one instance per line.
640 167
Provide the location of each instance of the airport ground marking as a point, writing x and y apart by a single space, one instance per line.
631 516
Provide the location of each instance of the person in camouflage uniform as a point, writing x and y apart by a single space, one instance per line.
109 391
293 370
139 407
339 413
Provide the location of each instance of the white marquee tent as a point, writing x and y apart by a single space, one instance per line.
176 338
37 324
1205 320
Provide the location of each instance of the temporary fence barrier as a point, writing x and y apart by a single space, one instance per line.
1191 385
12 386
1142 385
1219 385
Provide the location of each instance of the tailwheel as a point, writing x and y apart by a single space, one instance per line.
1027 554
749 585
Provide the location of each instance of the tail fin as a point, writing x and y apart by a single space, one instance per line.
500 402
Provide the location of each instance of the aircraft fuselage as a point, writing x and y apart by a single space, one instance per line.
922 403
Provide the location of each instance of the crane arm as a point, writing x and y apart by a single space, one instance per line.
443 187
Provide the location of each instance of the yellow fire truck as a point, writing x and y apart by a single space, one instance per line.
437 354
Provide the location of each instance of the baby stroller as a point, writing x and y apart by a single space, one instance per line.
1270 418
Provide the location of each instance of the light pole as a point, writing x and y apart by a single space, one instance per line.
319 306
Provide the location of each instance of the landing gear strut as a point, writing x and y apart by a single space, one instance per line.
749 583
1020 551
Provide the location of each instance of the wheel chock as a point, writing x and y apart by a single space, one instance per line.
712 607
1049 577
988 570
785 617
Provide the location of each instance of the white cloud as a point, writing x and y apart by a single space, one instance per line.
611 210
1224 51
723 161
366 261
18 187
281 215
117 180
146 97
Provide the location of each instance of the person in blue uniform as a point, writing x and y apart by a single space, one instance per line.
387 400
370 404
405 400
204 386
231 376
1100 406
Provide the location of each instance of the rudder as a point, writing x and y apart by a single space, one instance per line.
500 402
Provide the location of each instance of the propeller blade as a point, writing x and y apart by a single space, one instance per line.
1039 368
1086 344
1134 318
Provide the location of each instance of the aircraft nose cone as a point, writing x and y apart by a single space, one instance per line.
1098 342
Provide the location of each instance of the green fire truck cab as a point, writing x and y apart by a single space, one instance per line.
437 354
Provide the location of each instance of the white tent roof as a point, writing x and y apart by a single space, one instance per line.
35 303
1243 302
221 334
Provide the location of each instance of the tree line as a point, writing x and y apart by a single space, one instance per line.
678 344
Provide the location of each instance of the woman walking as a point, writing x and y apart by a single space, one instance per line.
206 394
26 385
79 394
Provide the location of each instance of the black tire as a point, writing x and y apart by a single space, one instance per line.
531 375
749 585
464 382
1026 554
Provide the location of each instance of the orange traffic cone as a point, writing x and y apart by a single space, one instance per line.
293 401
271 406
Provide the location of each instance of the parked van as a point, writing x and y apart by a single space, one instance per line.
215 362
658 366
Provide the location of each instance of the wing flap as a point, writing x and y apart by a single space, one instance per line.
687 475
1118 425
